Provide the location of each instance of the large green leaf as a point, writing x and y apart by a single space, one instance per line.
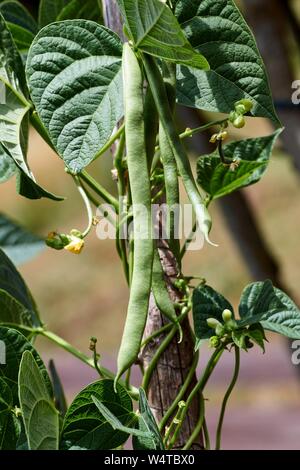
40 417
15 345
17 243
9 424
17 304
86 429
74 75
155 30
250 157
148 425
218 30
49 11
7 165
14 108
207 303
20 22
116 423
261 302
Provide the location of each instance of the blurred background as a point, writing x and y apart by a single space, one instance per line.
86 295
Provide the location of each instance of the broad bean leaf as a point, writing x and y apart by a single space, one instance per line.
155 30
262 303
250 160
74 76
10 426
18 306
15 345
85 428
147 424
218 31
116 423
207 303
17 243
14 108
20 23
7 165
41 419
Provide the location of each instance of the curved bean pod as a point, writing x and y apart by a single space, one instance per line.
141 200
160 97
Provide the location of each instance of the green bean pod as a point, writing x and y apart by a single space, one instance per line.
161 294
161 100
151 126
141 201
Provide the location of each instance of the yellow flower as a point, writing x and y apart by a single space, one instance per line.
75 246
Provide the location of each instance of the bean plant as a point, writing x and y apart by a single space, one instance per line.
87 91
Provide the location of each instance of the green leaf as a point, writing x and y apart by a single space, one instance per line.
147 424
116 423
7 165
15 295
220 33
250 157
15 345
74 75
84 9
207 303
14 12
257 334
11 66
59 394
14 109
49 11
261 302
21 24
17 243
86 429
9 423
40 417
155 30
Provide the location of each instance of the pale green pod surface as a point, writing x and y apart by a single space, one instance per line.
141 199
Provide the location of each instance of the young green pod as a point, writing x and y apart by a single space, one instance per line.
213 323
141 203
226 315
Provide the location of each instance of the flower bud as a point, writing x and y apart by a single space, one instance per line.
248 104
219 330
213 323
240 109
226 315
54 241
214 341
239 122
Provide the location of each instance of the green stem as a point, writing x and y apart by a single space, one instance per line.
181 393
111 141
198 426
39 127
191 132
87 204
227 395
206 435
203 381
160 350
176 423
102 192
81 356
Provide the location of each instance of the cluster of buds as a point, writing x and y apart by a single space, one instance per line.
221 329
73 242
241 108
